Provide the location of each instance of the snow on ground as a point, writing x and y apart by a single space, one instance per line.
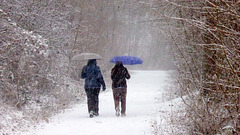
144 105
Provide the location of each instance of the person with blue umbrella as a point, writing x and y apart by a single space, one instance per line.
119 74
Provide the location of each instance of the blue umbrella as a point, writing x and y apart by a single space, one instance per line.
127 60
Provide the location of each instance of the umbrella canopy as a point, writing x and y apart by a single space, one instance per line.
87 56
127 60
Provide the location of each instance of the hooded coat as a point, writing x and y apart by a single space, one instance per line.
119 74
92 75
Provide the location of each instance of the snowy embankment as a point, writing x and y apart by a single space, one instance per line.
149 111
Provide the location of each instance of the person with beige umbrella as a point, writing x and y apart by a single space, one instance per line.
93 81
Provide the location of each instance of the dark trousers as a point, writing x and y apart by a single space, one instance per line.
92 99
119 95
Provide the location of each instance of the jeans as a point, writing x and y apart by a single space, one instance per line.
92 99
119 95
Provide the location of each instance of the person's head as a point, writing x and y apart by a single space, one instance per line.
92 62
119 64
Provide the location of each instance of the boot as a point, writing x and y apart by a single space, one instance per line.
91 114
123 114
118 112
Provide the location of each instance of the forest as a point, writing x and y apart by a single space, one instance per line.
199 40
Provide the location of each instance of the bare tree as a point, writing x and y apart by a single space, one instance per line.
205 42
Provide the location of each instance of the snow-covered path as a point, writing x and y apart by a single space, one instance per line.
144 88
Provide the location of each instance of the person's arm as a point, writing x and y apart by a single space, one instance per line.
103 85
127 74
112 72
101 80
84 73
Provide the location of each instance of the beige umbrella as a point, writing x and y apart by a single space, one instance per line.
87 56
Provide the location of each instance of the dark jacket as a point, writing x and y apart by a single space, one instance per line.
92 75
119 75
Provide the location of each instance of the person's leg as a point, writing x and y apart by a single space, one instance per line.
90 101
123 101
96 101
116 101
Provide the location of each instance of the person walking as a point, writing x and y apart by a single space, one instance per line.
93 81
119 74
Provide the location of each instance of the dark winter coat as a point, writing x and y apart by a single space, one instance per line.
119 75
92 75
